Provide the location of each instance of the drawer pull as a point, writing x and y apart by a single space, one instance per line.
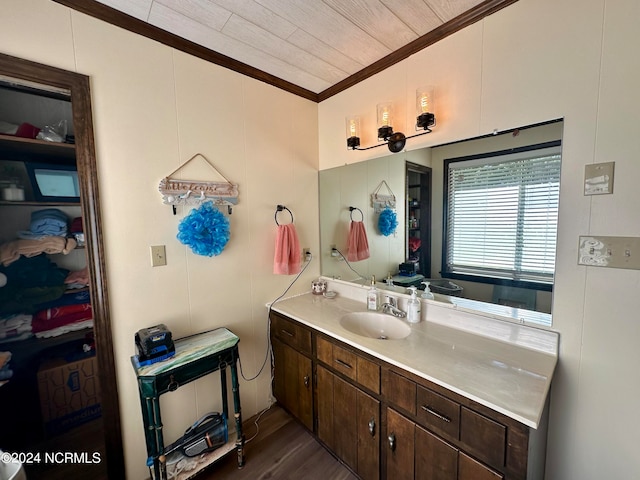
392 442
288 334
436 414
306 381
344 364
372 427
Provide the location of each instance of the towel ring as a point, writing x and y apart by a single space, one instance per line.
279 208
351 209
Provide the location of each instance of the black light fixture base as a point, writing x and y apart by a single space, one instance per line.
353 143
396 141
425 120
385 132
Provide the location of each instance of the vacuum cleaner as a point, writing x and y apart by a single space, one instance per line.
205 435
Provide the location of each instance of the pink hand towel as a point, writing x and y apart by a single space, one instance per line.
358 248
287 258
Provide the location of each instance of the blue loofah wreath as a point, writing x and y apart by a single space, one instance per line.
205 230
387 222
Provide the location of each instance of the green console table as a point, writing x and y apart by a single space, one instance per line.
196 356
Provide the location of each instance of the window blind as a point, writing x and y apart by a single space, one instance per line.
502 215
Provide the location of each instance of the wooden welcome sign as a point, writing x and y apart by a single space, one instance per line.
193 192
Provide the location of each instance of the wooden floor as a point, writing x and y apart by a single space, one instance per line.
283 450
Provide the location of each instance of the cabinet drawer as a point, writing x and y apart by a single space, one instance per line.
485 437
291 333
349 364
399 391
345 362
438 413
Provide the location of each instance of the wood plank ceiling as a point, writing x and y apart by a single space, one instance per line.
314 48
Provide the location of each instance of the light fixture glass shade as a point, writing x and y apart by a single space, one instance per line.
424 108
353 131
385 120
385 114
353 126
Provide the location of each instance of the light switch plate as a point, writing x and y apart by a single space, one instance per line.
612 252
598 178
158 256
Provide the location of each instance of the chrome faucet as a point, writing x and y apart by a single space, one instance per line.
390 306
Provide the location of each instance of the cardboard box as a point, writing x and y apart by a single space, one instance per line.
69 393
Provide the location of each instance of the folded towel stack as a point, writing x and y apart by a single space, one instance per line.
47 222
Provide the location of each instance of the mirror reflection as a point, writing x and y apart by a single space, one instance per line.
486 206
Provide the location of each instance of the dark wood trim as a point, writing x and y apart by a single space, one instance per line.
458 23
110 15
78 85
132 24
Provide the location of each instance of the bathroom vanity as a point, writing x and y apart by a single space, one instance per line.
462 396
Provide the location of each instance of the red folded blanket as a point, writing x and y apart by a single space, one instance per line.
51 318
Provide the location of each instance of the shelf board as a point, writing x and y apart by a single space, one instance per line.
200 463
8 203
21 147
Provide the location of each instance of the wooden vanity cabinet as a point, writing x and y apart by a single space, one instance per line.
416 453
454 438
386 423
293 369
348 418
348 422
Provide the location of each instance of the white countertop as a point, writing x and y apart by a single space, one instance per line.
501 365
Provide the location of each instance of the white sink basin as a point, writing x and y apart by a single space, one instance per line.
375 325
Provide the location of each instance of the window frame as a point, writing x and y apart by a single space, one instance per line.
445 273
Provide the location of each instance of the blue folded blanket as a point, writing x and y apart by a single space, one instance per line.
49 221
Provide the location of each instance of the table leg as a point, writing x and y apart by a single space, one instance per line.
223 388
238 414
159 440
150 437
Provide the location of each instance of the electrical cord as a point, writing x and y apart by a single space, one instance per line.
266 357
269 350
255 422
348 264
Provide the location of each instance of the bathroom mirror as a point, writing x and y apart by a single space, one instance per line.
352 185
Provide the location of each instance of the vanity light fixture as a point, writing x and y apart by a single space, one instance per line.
394 140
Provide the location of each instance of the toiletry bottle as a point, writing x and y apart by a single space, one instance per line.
413 309
372 295
389 281
427 292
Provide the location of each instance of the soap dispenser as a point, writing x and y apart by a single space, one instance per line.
389 281
413 308
372 295
427 292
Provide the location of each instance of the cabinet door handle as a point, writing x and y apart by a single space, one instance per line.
372 427
306 381
436 414
344 364
392 442
288 334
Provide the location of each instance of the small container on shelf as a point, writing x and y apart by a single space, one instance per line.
12 190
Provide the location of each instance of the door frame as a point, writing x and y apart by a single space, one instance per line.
425 174
79 86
